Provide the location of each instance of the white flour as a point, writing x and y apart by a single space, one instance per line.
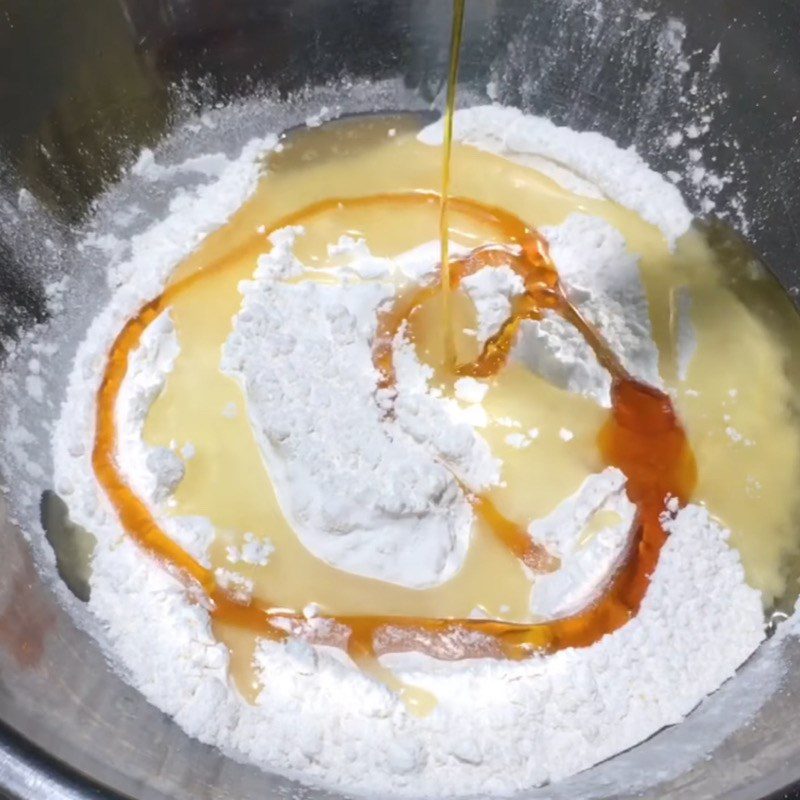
361 494
619 175
602 281
587 564
252 551
492 290
498 726
153 472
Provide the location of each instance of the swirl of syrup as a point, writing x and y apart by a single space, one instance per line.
642 436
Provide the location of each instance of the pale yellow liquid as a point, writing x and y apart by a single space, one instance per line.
228 482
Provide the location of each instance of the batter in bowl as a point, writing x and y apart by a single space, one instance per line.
333 548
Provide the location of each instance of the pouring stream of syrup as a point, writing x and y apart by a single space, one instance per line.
444 200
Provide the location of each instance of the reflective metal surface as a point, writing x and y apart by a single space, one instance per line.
85 84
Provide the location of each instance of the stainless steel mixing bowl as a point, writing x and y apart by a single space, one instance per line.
85 84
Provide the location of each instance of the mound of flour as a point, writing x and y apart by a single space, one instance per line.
587 563
498 726
153 472
365 495
601 278
611 172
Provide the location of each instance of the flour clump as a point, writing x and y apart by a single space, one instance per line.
364 496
